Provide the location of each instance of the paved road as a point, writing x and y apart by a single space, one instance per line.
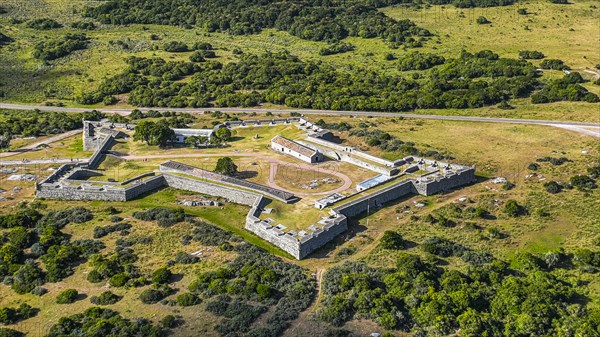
326 112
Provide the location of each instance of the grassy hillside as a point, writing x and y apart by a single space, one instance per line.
559 31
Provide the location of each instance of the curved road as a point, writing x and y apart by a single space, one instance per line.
574 126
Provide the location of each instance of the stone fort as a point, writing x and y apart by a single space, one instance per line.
397 179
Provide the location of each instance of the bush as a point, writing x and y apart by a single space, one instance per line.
533 166
60 47
100 232
392 240
336 48
197 57
13 315
202 46
39 291
482 20
94 276
531 55
27 278
184 258
419 61
67 296
6 332
83 25
552 187
151 296
187 300
512 208
43 24
553 64
118 280
175 47
582 182
165 217
106 298
161 276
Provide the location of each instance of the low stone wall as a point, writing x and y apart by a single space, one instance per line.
343 156
81 192
377 199
352 151
193 185
143 187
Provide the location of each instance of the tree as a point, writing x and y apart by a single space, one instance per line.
223 134
152 133
226 166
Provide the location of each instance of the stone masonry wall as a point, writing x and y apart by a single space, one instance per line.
193 185
376 199
96 158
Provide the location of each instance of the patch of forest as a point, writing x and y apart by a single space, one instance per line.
314 20
471 80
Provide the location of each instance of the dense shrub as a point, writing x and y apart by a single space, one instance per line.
185 258
97 321
83 25
67 296
151 296
442 247
582 182
553 160
10 315
482 20
419 61
106 298
60 47
336 48
311 20
6 332
187 300
28 277
102 231
4 39
118 280
553 64
531 55
43 24
161 275
552 187
165 217
512 208
392 240
468 81
176 47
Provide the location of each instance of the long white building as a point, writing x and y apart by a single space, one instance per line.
297 150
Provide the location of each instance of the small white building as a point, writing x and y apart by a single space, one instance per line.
182 134
297 150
